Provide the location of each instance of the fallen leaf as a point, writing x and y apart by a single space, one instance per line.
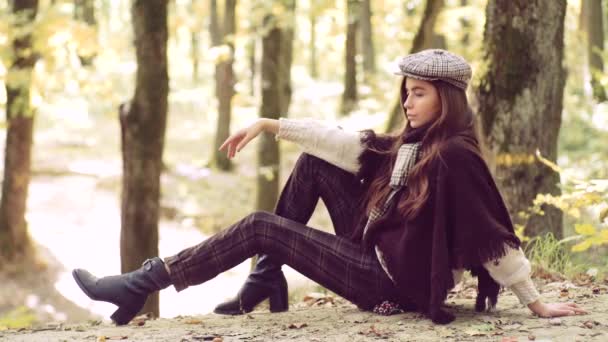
101 339
205 337
373 331
193 321
297 325
511 326
482 329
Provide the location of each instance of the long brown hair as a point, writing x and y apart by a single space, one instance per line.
456 117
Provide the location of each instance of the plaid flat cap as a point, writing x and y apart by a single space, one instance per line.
434 64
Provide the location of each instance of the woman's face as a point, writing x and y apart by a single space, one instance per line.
422 104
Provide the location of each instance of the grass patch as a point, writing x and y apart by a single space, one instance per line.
551 258
19 317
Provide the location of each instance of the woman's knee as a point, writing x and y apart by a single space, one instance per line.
260 220
260 225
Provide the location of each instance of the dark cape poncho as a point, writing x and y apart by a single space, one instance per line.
463 224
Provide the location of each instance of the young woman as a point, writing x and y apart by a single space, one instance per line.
411 211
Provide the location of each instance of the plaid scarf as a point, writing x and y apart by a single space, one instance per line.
406 159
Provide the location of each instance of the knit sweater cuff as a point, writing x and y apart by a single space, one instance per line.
292 130
525 291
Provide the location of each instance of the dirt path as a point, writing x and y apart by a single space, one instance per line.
330 319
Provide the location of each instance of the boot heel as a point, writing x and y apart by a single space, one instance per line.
279 300
124 315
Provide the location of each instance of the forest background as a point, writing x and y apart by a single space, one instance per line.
114 110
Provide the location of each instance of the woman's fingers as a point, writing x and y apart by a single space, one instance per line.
224 144
243 142
575 307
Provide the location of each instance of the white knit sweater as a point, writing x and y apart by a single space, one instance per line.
342 149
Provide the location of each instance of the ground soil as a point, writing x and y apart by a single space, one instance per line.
329 318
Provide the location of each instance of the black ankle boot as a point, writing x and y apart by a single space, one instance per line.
253 292
128 291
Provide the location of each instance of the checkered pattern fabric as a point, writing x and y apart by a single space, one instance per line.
434 64
335 261
406 159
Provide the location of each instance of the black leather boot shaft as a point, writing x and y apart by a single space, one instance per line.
258 287
128 291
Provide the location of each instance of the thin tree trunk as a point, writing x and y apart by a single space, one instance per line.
520 103
268 148
251 42
287 57
314 73
595 45
425 39
367 41
84 10
466 26
194 46
224 88
143 124
349 96
14 240
214 25
276 94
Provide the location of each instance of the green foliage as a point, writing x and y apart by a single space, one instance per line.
19 317
549 255
577 195
53 30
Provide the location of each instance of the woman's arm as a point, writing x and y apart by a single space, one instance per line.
270 125
328 142
513 271
321 139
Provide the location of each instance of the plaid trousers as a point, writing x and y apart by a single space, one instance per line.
333 261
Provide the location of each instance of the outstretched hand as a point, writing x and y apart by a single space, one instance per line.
239 139
556 309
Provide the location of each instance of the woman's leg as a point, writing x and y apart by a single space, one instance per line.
335 262
311 178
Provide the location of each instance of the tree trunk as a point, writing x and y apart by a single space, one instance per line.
251 42
367 41
14 240
214 26
275 103
425 39
84 11
466 26
288 32
143 124
349 96
520 103
314 73
595 45
194 46
224 88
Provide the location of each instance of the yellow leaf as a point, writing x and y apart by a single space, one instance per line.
584 229
547 162
574 212
603 214
604 236
581 247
